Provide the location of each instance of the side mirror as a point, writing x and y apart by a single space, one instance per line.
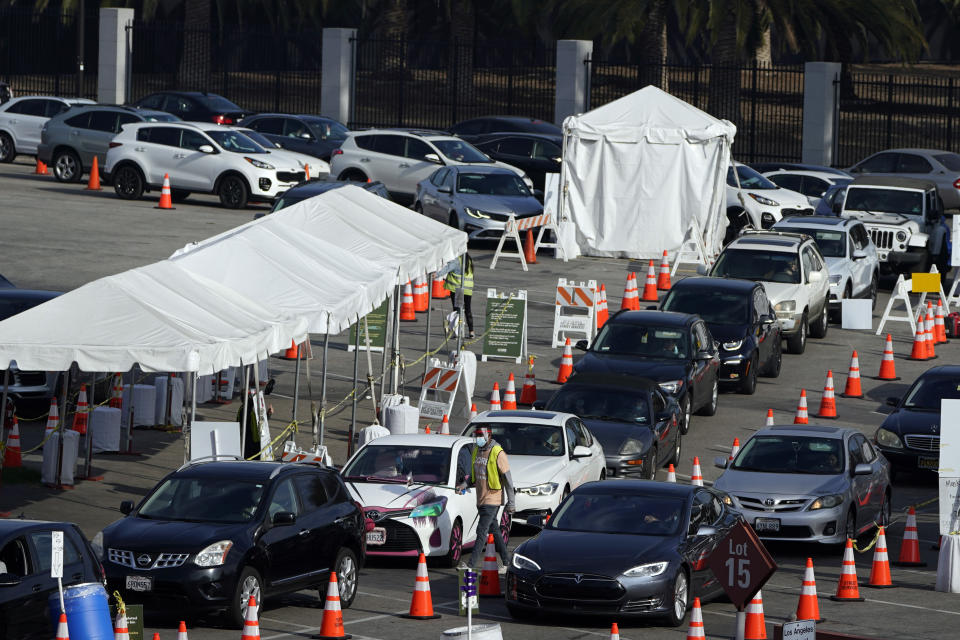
859 254
893 401
9 580
282 518
862 469
581 452
444 189
539 404
126 507
704 355
720 462
306 136
582 345
432 157
536 521
205 148
816 276
706 530
767 319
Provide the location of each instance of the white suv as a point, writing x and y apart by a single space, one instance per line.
763 203
21 120
794 274
199 157
402 158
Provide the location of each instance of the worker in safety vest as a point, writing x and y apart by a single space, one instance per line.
490 475
454 278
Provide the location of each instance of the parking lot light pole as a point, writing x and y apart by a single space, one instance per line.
81 27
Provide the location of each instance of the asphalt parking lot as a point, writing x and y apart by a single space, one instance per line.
57 236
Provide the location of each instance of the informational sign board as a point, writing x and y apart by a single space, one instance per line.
56 554
505 327
800 630
949 469
856 314
377 322
742 564
925 282
955 240
134 620
214 438
474 600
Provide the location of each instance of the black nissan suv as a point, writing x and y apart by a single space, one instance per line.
213 533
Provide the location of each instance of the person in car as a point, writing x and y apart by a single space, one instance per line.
490 475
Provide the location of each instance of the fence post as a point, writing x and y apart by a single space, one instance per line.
573 79
820 122
337 71
114 57
889 142
949 146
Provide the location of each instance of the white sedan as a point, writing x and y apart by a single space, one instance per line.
406 485
550 455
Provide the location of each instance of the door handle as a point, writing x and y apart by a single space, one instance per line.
74 133
303 532
13 122
37 588
404 165
179 155
140 149
364 159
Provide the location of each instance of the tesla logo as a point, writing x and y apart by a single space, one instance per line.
143 560
578 578
933 428
768 502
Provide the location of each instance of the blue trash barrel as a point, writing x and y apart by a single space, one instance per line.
88 611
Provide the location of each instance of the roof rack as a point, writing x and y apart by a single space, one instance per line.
213 458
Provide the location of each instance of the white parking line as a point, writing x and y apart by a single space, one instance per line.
304 629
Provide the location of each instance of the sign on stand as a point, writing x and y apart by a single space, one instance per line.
56 562
376 326
800 630
949 467
134 620
742 564
505 327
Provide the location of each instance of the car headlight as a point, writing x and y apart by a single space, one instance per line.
764 201
431 509
826 502
672 386
524 563
214 555
835 279
97 544
646 570
786 306
733 345
545 489
475 213
887 438
631 446
259 164
727 500
901 236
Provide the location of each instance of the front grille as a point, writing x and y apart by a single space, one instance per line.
590 587
30 378
882 238
796 212
121 557
400 537
170 560
778 505
923 443
163 561
290 176
647 604
792 531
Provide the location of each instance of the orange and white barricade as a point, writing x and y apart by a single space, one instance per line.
293 453
441 381
546 222
943 296
581 297
511 231
900 293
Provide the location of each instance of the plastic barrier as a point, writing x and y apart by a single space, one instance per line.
692 250
900 293
440 378
572 295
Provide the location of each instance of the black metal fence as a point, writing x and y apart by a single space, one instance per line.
883 111
411 83
766 103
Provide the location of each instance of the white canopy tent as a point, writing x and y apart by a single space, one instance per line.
637 172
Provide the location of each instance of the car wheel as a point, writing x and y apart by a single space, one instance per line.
677 450
454 220
874 288
353 175
650 465
128 182
748 385
797 343
179 195
603 475
66 166
773 367
347 574
233 192
7 150
248 584
679 600
685 414
711 407
506 521
819 328
456 544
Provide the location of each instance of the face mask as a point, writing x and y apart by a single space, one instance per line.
481 441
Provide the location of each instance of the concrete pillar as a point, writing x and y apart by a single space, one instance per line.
573 78
337 81
116 51
820 111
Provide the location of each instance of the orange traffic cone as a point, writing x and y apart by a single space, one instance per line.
495 397
294 352
182 631
120 630
650 286
251 624
802 417
940 329
63 632
695 630
426 429
40 169
490 577
445 426
734 450
473 410
631 299
671 473
928 325
53 418
828 402
421 297
510 394
93 184
529 254
880 572
755 627
11 455
421 606
439 292
156 636
566 363
809 607
852 388
116 397
769 422
528 395
847 588
910 547
696 477
888 368
614 632
166 199
603 312
663 280
919 351
80 416
407 312
331 627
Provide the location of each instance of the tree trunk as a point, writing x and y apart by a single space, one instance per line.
653 47
194 71
724 89
764 55
393 29
460 67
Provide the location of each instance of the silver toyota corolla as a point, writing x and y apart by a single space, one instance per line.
808 483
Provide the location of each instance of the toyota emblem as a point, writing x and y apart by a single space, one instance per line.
374 515
768 502
578 578
144 560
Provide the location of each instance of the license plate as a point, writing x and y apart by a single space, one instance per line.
927 462
139 583
766 524
377 535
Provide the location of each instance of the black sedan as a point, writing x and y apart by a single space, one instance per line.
194 106
648 547
536 153
311 188
212 534
910 436
636 423
470 129
675 349
313 135
741 319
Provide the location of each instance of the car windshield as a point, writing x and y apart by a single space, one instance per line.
234 141
749 179
833 244
791 454
203 500
260 139
327 129
491 184
460 151
627 338
400 463
715 307
949 160
619 513
601 403
519 439
762 266
218 103
884 200
927 393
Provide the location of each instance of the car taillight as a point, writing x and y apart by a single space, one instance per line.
337 152
222 119
956 183
115 144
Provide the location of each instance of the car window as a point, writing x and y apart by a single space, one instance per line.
437 178
327 129
814 187
701 337
492 184
398 463
267 125
15 558
30 107
152 102
103 121
470 128
708 505
546 150
619 513
807 258
787 181
54 108
859 236
866 449
313 494
856 455
778 453
949 160
659 403
368 143
284 499
180 104
584 437
463 464
41 542
293 128
169 136
816 259
460 151
597 402
760 265
517 147
125 118
912 163
449 179
759 304
715 307
80 120
571 430
417 149
635 339
234 141
192 140
391 145
880 163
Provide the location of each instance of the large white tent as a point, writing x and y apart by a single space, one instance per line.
638 171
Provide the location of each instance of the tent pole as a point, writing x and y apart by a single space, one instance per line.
395 355
313 422
323 390
426 346
91 403
461 320
193 418
356 374
133 388
383 354
3 405
370 380
243 419
63 419
296 378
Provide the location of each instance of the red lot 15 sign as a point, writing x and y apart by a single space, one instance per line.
742 564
